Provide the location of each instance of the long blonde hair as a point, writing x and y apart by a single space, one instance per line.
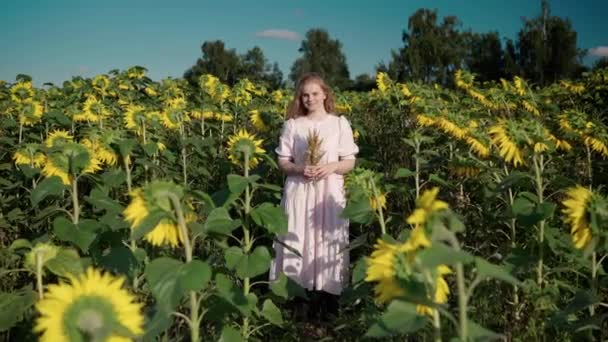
297 109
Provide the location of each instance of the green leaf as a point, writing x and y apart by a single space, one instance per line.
512 179
404 173
479 333
150 148
194 275
233 256
13 307
66 262
219 221
229 334
101 200
234 294
271 187
438 180
237 184
360 270
486 269
114 178
358 209
81 236
359 241
119 259
50 186
272 313
19 244
271 217
440 254
125 147
160 322
286 288
399 318
248 265
148 224
162 275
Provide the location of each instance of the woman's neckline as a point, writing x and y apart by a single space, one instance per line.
325 118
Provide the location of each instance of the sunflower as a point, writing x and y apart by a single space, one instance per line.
136 72
257 120
403 88
102 152
61 161
576 211
520 86
479 148
22 91
243 142
101 84
135 116
451 128
442 290
223 117
425 121
383 82
154 198
95 109
530 108
30 113
40 255
29 155
92 303
382 267
426 205
507 148
596 145
58 137
378 202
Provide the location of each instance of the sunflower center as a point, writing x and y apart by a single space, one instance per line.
90 318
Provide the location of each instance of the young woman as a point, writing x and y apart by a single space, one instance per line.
313 196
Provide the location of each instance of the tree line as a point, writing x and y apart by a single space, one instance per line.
545 50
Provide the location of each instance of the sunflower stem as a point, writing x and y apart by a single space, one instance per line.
75 203
133 244
589 169
513 244
538 161
462 290
417 160
378 207
20 131
246 241
39 285
194 304
184 162
593 281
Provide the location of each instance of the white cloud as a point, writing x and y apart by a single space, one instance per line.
278 34
600 51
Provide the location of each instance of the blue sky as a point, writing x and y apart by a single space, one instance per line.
55 40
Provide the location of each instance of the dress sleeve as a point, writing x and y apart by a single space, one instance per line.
285 148
347 148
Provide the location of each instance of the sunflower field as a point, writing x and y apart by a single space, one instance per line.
139 210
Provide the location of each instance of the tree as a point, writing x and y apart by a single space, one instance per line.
217 61
322 55
547 48
510 60
431 52
485 56
600 64
230 67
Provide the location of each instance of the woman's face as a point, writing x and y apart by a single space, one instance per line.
313 97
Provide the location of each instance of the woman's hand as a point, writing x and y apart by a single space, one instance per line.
308 171
322 171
